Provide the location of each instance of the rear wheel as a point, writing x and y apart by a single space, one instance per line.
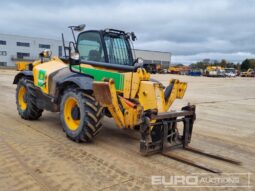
80 115
26 100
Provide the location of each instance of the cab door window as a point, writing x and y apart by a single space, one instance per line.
117 50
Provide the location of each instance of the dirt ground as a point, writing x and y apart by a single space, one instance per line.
36 155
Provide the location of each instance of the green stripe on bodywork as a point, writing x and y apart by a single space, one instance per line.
99 75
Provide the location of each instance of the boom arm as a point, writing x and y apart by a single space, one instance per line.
146 96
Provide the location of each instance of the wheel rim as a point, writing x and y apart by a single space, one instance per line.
71 104
22 98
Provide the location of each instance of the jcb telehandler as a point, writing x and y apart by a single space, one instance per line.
98 76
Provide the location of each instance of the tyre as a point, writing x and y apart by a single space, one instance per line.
26 100
80 115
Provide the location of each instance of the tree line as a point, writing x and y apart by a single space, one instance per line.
245 65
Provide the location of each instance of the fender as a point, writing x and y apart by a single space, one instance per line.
26 73
58 85
82 81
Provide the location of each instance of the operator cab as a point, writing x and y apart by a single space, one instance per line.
108 46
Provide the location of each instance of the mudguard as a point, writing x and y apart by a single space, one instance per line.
58 83
84 82
26 73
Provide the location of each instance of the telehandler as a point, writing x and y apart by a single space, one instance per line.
22 65
98 77
249 73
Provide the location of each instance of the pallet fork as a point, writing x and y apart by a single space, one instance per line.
171 139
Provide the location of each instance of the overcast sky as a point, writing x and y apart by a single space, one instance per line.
191 29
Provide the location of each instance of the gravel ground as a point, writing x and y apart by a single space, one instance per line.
36 155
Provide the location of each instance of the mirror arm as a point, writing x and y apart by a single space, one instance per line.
70 59
76 28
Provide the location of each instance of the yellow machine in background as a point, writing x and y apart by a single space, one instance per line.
249 73
215 71
182 70
22 65
174 70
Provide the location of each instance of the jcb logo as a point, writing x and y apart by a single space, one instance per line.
41 78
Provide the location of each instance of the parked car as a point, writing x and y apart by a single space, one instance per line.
230 72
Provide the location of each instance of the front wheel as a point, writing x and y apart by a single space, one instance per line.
26 100
80 115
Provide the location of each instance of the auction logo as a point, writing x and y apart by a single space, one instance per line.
204 180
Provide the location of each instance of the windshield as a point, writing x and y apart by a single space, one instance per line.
118 50
90 47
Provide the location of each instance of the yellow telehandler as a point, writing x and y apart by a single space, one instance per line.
98 77
249 73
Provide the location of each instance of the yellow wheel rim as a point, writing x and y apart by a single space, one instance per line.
21 98
71 123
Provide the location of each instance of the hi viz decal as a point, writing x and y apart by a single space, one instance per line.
41 78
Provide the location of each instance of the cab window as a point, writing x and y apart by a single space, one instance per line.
117 50
90 47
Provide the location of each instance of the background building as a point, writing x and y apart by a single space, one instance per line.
15 48
21 48
154 61
156 57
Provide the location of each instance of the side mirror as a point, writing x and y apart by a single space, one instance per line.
133 36
74 60
138 62
74 56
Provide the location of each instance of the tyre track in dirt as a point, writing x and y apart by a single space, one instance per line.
14 154
99 167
